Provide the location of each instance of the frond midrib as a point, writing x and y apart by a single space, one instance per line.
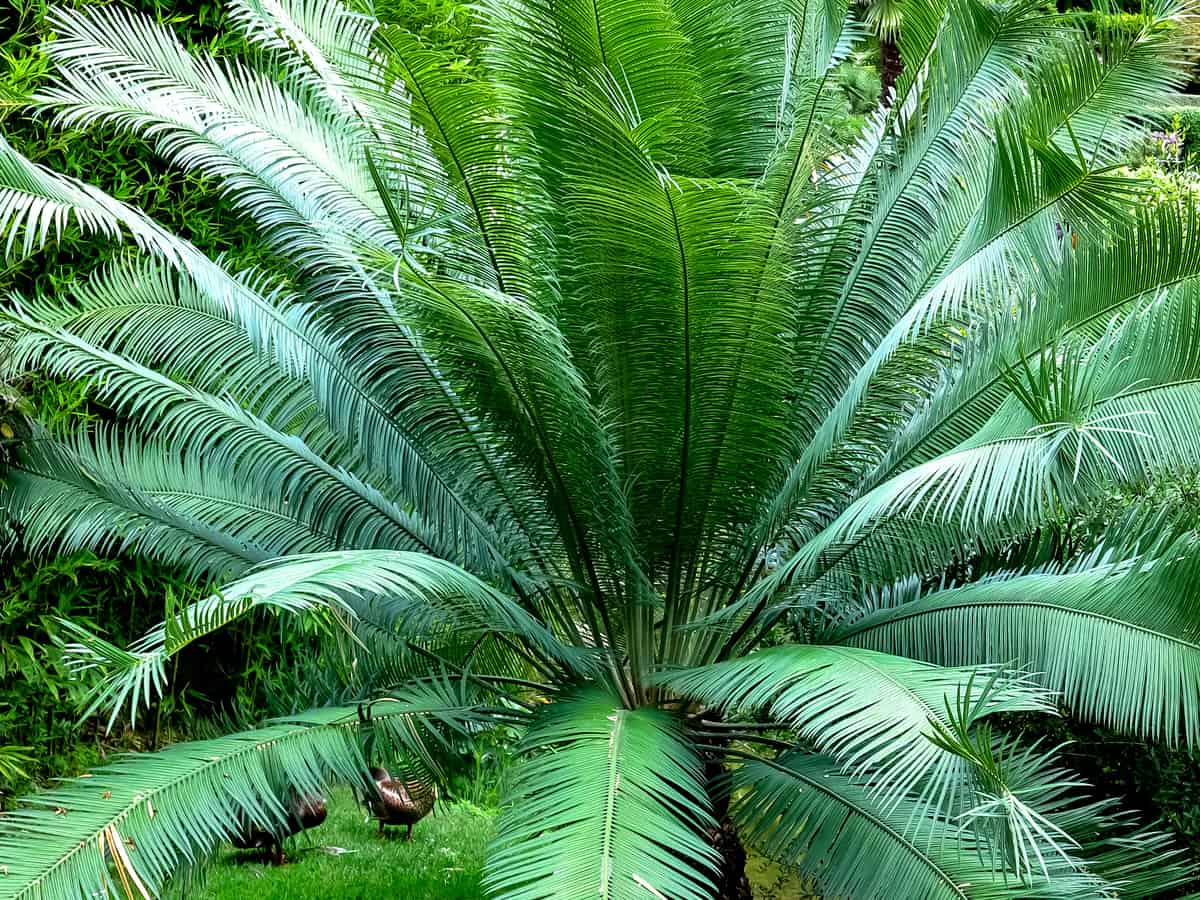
244 505
889 677
166 517
608 828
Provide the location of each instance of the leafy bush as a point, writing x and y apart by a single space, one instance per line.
1183 121
443 25
1162 783
39 701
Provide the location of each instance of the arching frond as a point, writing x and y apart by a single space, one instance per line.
1011 229
468 135
933 175
1117 638
415 595
1101 280
1124 421
78 495
37 204
872 712
1093 96
321 37
297 167
802 810
148 315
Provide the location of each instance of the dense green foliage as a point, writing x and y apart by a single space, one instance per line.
594 388
188 203
39 701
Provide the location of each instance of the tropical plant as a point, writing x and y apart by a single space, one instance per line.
604 397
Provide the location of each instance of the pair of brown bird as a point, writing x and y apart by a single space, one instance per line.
394 803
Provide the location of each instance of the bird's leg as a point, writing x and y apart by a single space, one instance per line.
408 837
381 827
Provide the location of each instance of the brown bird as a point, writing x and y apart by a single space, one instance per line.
399 802
303 813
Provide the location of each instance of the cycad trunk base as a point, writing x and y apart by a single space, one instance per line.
891 67
731 881
596 384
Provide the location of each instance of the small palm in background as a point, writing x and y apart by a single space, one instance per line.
601 395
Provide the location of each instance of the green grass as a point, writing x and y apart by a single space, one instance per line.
444 861
772 881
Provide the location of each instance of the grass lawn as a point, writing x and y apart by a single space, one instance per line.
443 862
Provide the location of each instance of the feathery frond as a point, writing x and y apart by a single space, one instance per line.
610 803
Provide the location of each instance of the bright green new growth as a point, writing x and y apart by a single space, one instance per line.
586 375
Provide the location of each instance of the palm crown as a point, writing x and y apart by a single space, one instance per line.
584 378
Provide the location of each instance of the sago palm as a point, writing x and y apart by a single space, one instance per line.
600 395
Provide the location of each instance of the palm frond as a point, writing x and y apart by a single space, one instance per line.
297 165
412 594
75 495
36 205
610 803
320 37
148 314
974 68
802 810
1011 229
781 56
1155 257
1124 420
872 712
1116 637
467 134
1094 95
